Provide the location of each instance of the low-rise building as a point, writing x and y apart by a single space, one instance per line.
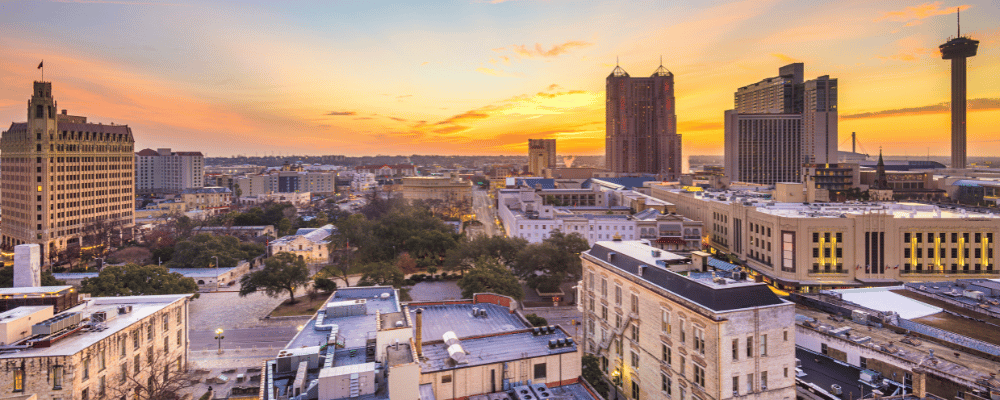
365 343
98 349
295 199
809 246
240 232
706 335
212 199
309 244
436 188
385 170
363 182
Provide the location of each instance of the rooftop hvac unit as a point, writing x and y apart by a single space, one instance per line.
384 296
56 323
569 342
541 391
524 393
124 309
450 338
553 343
475 312
457 353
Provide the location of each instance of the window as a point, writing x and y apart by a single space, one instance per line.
635 332
736 349
736 385
699 375
763 380
604 312
785 334
618 321
749 346
86 368
57 377
166 323
149 332
665 353
18 380
682 366
540 371
135 364
763 345
749 383
166 344
699 340
604 287
135 338
121 354
635 360
665 384
445 378
635 303
664 321
84 395
123 376
180 335
101 387
786 372
683 337
618 295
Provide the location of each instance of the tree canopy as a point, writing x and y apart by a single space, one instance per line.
487 275
133 280
555 260
281 273
394 228
504 249
199 251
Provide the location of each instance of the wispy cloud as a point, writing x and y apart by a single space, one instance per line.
981 104
119 2
554 51
785 58
341 113
915 15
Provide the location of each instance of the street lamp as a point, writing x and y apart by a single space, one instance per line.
216 272
219 337
616 380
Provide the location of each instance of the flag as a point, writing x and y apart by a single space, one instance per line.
40 65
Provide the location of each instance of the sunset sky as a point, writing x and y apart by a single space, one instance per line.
481 77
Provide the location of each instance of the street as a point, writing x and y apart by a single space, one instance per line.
243 338
482 205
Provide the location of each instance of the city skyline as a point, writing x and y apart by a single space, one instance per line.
482 77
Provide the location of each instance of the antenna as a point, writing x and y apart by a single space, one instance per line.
616 61
661 60
958 14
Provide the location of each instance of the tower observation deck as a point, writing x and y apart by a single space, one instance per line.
957 50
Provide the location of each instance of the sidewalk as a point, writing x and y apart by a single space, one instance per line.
231 358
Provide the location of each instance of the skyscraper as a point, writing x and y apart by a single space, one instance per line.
641 133
957 50
780 124
65 182
541 155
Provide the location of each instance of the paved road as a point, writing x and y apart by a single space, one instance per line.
482 205
244 338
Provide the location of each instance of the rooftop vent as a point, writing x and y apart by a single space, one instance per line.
639 269
611 256
656 254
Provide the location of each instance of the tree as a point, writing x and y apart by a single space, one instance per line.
383 273
281 273
159 378
504 249
200 251
535 320
555 260
406 263
592 373
324 284
488 276
130 255
136 280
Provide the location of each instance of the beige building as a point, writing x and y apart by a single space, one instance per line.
541 156
808 247
60 173
214 200
309 244
435 188
665 335
168 171
97 349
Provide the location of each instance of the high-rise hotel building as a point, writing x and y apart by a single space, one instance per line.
780 124
641 132
61 173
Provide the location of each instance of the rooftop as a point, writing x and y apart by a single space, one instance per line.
441 318
354 329
315 235
493 349
628 256
40 290
142 307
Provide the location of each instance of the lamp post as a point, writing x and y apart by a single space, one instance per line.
216 272
615 381
219 337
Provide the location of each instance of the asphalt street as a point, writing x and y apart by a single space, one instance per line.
485 213
244 338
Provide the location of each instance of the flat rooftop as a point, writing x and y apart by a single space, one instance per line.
493 349
142 307
355 329
40 290
712 296
401 355
765 204
438 319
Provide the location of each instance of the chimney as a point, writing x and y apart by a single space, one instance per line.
64 111
419 333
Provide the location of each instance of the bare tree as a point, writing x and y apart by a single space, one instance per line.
159 378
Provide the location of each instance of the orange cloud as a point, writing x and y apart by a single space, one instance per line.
915 14
340 113
983 104
785 58
556 50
